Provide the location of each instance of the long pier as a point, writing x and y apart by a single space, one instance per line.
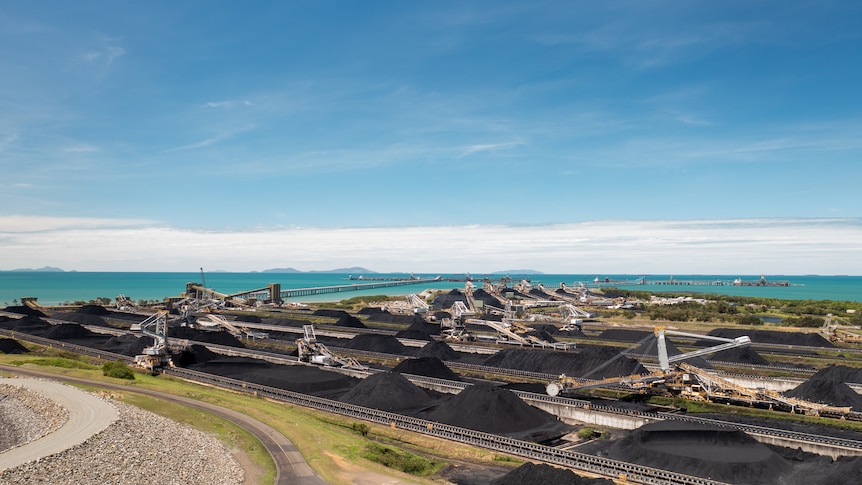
275 293
321 290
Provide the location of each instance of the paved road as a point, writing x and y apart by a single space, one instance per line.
88 415
290 465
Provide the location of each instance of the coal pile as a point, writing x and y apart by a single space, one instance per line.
11 346
768 337
540 295
829 386
541 335
386 344
387 391
485 407
24 310
438 349
248 318
371 310
299 378
69 331
446 300
577 363
323 312
741 355
542 473
722 454
350 321
127 344
287 322
218 338
419 330
27 324
194 354
384 316
82 318
486 298
428 367
97 310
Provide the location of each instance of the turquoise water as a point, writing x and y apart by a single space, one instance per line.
57 288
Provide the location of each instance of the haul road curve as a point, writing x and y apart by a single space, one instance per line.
291 467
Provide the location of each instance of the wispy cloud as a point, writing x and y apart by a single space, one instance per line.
493 147
218 138
227 104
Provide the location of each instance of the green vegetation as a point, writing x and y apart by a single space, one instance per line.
361 429
400 460
360 301
61 362
742 310
330 443
118 369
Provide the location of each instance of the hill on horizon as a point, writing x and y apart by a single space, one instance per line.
354 269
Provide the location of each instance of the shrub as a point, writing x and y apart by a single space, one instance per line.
118 369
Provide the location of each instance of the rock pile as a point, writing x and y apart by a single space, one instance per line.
126 453
26 415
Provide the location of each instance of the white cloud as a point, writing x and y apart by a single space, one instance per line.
471 149
745 246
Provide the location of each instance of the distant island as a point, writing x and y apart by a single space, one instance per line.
517 271
43 269
355 269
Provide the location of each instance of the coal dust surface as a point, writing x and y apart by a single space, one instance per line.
428 367
387 391
587 361
540 474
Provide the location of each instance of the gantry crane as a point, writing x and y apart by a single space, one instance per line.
155 356
311 351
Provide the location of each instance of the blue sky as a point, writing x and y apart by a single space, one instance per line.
234 124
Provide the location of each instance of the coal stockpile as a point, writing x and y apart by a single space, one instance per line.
386 344
383 316
350 321
219 338
27 324
299 378
371 310
829 386
248 318
287 322
486 298
419 330
428 367
438 349
69 331
739 355
577 363
127 344
98 310
446 300
722 454
194 354
324 312
768 337
11 346
541 335
24 310
82 318
542 473
387 391
485 407
624 335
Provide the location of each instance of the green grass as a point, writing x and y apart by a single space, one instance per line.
61 362
326 441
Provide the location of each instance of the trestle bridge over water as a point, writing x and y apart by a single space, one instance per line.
275 294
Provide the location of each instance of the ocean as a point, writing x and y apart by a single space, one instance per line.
53 288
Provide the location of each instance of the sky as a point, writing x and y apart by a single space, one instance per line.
447 136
